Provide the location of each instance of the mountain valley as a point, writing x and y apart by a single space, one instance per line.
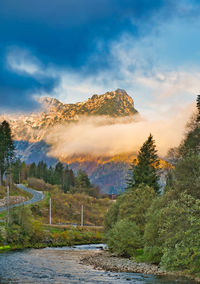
109 172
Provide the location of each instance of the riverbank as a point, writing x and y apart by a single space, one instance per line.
109 262
8 248
32 265
62 265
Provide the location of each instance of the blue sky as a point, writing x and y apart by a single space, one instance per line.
75 48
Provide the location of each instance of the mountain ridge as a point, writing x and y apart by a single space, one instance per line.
29 132
33 127
95 105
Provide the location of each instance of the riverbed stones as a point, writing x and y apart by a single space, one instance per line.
109 262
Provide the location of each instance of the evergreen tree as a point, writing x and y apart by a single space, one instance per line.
23 172
66 179
82 180
72 178
198 108
145 171
58 174
191 144
16 170
6 148
42 170
32 170
2 167
50 175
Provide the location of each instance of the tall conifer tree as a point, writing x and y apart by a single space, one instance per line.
198 108
191 144
6 148
145 171
16 171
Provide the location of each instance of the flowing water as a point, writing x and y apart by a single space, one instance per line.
61 265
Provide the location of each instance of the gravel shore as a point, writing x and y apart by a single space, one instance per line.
106 261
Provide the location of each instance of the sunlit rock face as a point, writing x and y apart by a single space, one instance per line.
30 131
77 134
33 127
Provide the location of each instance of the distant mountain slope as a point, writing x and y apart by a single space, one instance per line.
33 127
30 130
34 152
108 174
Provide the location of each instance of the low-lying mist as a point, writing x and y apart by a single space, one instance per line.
103 136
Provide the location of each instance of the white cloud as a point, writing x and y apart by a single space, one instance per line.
138 65
102 136
21 60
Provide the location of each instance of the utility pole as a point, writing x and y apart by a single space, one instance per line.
8 202
81 215
50 211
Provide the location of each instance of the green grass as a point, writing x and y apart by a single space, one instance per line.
53 229
5 248
3 214
140 256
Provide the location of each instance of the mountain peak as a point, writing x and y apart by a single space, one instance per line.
34 126
120 91
50 104
114 103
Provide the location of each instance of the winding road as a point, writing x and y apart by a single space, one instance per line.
36 196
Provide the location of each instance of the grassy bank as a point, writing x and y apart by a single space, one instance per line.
48 236
24 231
28 225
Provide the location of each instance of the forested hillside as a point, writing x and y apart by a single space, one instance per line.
161 227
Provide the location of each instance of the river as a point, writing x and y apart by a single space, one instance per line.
61 265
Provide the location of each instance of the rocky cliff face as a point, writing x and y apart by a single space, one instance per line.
30 130
116 103
33 127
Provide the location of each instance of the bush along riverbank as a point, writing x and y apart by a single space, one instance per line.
25 232
66 237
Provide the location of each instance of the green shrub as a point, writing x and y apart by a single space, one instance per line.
182 251
154 220
172 232
131 205
134 204
153 254
111 215
20 230
1 239
124 238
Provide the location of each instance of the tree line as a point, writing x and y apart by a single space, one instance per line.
59 175
18 171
